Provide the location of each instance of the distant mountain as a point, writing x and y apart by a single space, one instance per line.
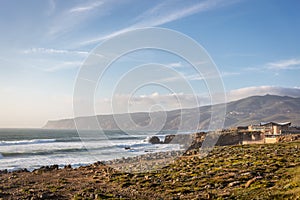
266 108
251 110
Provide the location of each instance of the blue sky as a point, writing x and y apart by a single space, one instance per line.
255 45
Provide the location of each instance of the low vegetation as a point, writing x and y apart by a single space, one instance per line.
262 171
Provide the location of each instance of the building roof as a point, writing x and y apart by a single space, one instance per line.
276 123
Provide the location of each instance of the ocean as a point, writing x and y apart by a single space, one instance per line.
33 148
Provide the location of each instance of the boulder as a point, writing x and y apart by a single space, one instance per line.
154 140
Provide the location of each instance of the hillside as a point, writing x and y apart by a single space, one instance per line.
246 111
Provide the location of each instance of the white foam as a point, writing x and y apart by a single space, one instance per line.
97 150
40 147
20 142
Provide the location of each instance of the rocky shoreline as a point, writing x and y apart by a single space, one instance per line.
155 161
264 171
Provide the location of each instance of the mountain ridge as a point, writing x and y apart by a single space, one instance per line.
249 110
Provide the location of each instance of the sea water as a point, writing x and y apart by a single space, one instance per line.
33 148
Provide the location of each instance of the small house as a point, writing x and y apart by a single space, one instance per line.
270 128
273 128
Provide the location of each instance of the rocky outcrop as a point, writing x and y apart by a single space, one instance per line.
226 138
230 138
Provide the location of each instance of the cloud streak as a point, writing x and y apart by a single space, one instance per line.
63 65
262 90
145 103
284 64
73 18
199 77
86 7
162 14
54 51
148 103
175 64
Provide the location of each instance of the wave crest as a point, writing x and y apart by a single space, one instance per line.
22 142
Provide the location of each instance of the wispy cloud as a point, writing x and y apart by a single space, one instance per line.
284 64
73 18
86 7
262 90
195 77
175 64
53 51
127 103
161 14
63 66
105 36
287 64
226 74
199 77
142 103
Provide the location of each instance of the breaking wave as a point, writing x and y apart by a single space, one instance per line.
22 142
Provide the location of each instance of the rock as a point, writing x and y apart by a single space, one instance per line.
208 196
207 186
287 186
21 170
46 196
42 169
154 140
43 196
68 166
45 169
31 190
53 167
13 176
99 163
250 182
168 138
234 183
246 174
5 171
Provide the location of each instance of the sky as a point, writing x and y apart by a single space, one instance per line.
43 44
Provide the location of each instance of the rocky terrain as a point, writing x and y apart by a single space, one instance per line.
251 110
262 171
